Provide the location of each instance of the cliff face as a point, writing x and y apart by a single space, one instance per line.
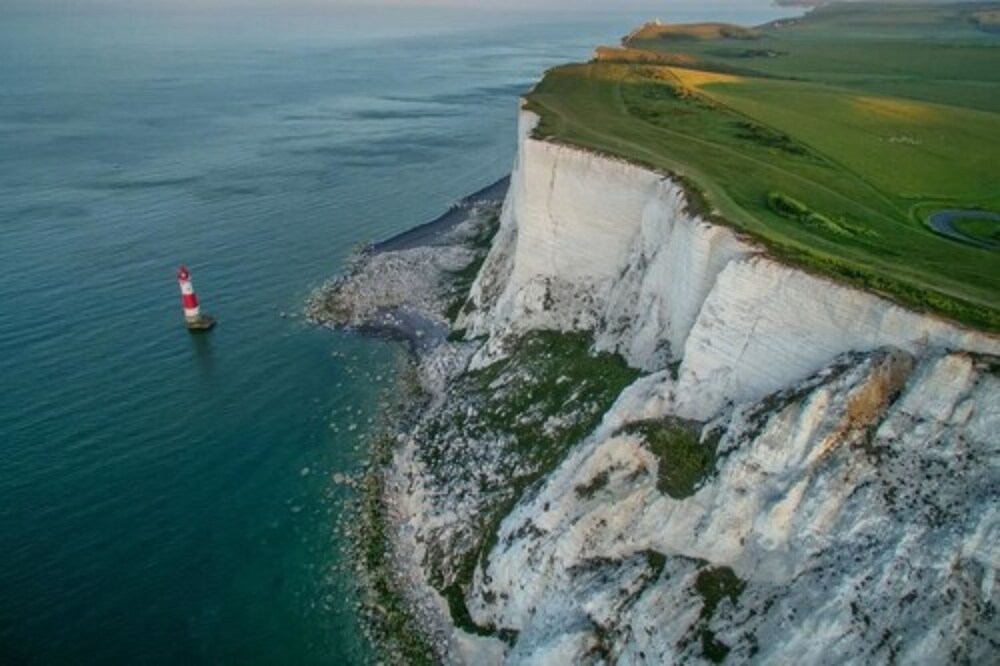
592 243
858 511
846 503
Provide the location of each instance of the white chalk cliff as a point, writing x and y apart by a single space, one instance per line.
592 243
856 493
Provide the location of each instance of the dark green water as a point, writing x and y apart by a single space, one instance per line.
166 499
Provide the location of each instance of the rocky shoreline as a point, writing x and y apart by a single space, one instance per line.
407 288
460 446
404 287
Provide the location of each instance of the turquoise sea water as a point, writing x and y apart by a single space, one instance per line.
166 499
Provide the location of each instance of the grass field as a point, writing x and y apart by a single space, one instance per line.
830 138
981 229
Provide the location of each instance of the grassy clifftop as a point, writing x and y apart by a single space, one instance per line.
830 138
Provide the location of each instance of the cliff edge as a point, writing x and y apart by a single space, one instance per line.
806 474
646 441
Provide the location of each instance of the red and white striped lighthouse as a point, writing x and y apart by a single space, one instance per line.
192 311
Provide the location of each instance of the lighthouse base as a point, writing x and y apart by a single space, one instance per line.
202 323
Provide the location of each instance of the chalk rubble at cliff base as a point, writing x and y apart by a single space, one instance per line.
404 292
832 491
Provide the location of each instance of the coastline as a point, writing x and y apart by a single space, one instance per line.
429 232
445 475
640 432
422 267
409 317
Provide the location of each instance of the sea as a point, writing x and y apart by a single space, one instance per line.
169 498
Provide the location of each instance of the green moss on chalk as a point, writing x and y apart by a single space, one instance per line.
684 461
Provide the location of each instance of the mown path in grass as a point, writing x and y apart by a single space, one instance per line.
623 108
943 222
655 157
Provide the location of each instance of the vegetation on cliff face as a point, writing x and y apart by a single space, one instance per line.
480 439
461 281
508 426
386 611
867 127
714 585
684 460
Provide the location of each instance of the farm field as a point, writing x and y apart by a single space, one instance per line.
831 139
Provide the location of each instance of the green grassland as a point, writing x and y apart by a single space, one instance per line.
984 230
829 138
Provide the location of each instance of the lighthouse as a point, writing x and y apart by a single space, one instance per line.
195 320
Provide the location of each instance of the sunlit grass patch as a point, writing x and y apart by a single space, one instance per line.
897 109
696 79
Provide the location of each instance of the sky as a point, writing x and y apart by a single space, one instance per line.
662 6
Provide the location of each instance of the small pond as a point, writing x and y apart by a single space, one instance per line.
952 224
